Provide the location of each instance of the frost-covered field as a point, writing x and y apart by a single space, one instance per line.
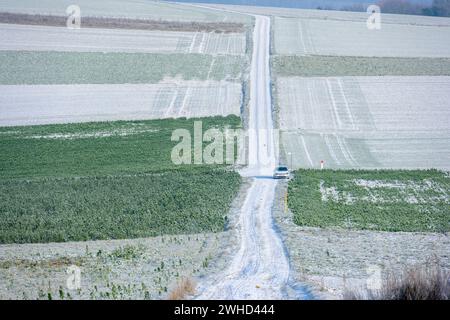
351 38
141 9
370 122
44 38
426 191
45 104
57 75
146 268
336 15
338 66
52 67
334 260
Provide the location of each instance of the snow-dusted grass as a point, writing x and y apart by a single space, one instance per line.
27 67
426 191
385 200
333 260
44 38
350 38
123 8
334 66
145 268
365 122
45 104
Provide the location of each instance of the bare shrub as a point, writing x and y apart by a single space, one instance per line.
426 282
420 283
353 295
185 287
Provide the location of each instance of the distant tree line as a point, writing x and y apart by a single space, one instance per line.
438 8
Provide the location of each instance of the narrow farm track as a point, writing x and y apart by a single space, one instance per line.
260 267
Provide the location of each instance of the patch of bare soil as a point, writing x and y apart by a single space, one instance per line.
123 23
333 261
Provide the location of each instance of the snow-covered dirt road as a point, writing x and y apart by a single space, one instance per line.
260 267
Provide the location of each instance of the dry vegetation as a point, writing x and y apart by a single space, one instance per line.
124 23
426 282
183 288
145 268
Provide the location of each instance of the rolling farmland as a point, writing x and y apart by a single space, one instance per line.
139 9
116 86
53 75
58 210
142 269
85 184
332 15
46 104
337 215
334 66
376 200
87 177
348 38
366 122
28 67
95 148
61 182
360 98
107 180
44 38
365 103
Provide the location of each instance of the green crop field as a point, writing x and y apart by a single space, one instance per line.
108 180
416 200
68 209
98 148
26 67
331 66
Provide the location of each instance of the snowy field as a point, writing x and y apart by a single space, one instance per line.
350 38
39 268
366 122
336 15
133 9
46 104
44 38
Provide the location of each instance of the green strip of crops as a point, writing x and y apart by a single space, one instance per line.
331 66
27 67
71 209
107 180
102 148
413 201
